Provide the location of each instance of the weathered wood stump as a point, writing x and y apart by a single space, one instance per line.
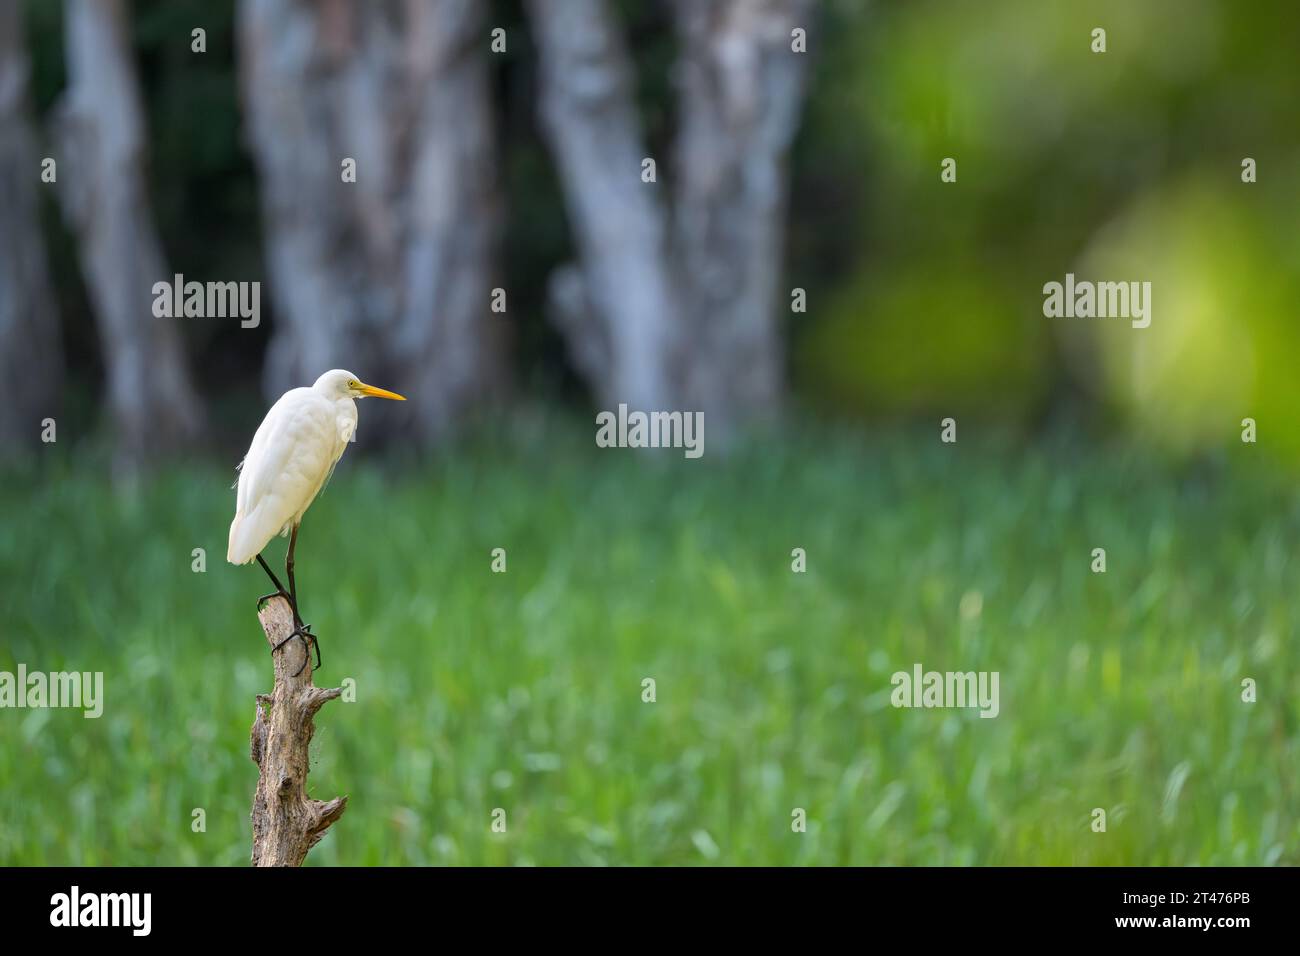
286 822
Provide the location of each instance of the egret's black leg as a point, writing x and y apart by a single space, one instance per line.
288 568
279 592
279 588
300 629
305 629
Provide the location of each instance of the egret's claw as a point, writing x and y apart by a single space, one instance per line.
308 640
293 606
307 635
267 597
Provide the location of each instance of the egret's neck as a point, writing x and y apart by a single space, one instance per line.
345 413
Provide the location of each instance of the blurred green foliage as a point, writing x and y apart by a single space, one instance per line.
523 690
1117 166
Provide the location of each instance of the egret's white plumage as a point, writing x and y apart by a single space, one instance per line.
291 457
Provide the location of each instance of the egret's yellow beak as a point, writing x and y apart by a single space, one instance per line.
373 392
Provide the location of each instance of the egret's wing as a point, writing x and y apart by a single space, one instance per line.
291 454
235 483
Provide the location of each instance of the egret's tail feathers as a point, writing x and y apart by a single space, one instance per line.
245 545
250 533
235 550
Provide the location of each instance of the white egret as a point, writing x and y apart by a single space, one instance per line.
292 456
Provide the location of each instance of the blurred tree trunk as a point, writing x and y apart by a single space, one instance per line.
101 132
741 89
29 327
686 317
390 275
618 310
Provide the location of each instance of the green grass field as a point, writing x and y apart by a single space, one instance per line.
523 690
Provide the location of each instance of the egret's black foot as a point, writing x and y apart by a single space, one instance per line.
314 643
308 640
284 594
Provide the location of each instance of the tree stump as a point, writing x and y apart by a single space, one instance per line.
286 822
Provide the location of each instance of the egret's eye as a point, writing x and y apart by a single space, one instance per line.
352 384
